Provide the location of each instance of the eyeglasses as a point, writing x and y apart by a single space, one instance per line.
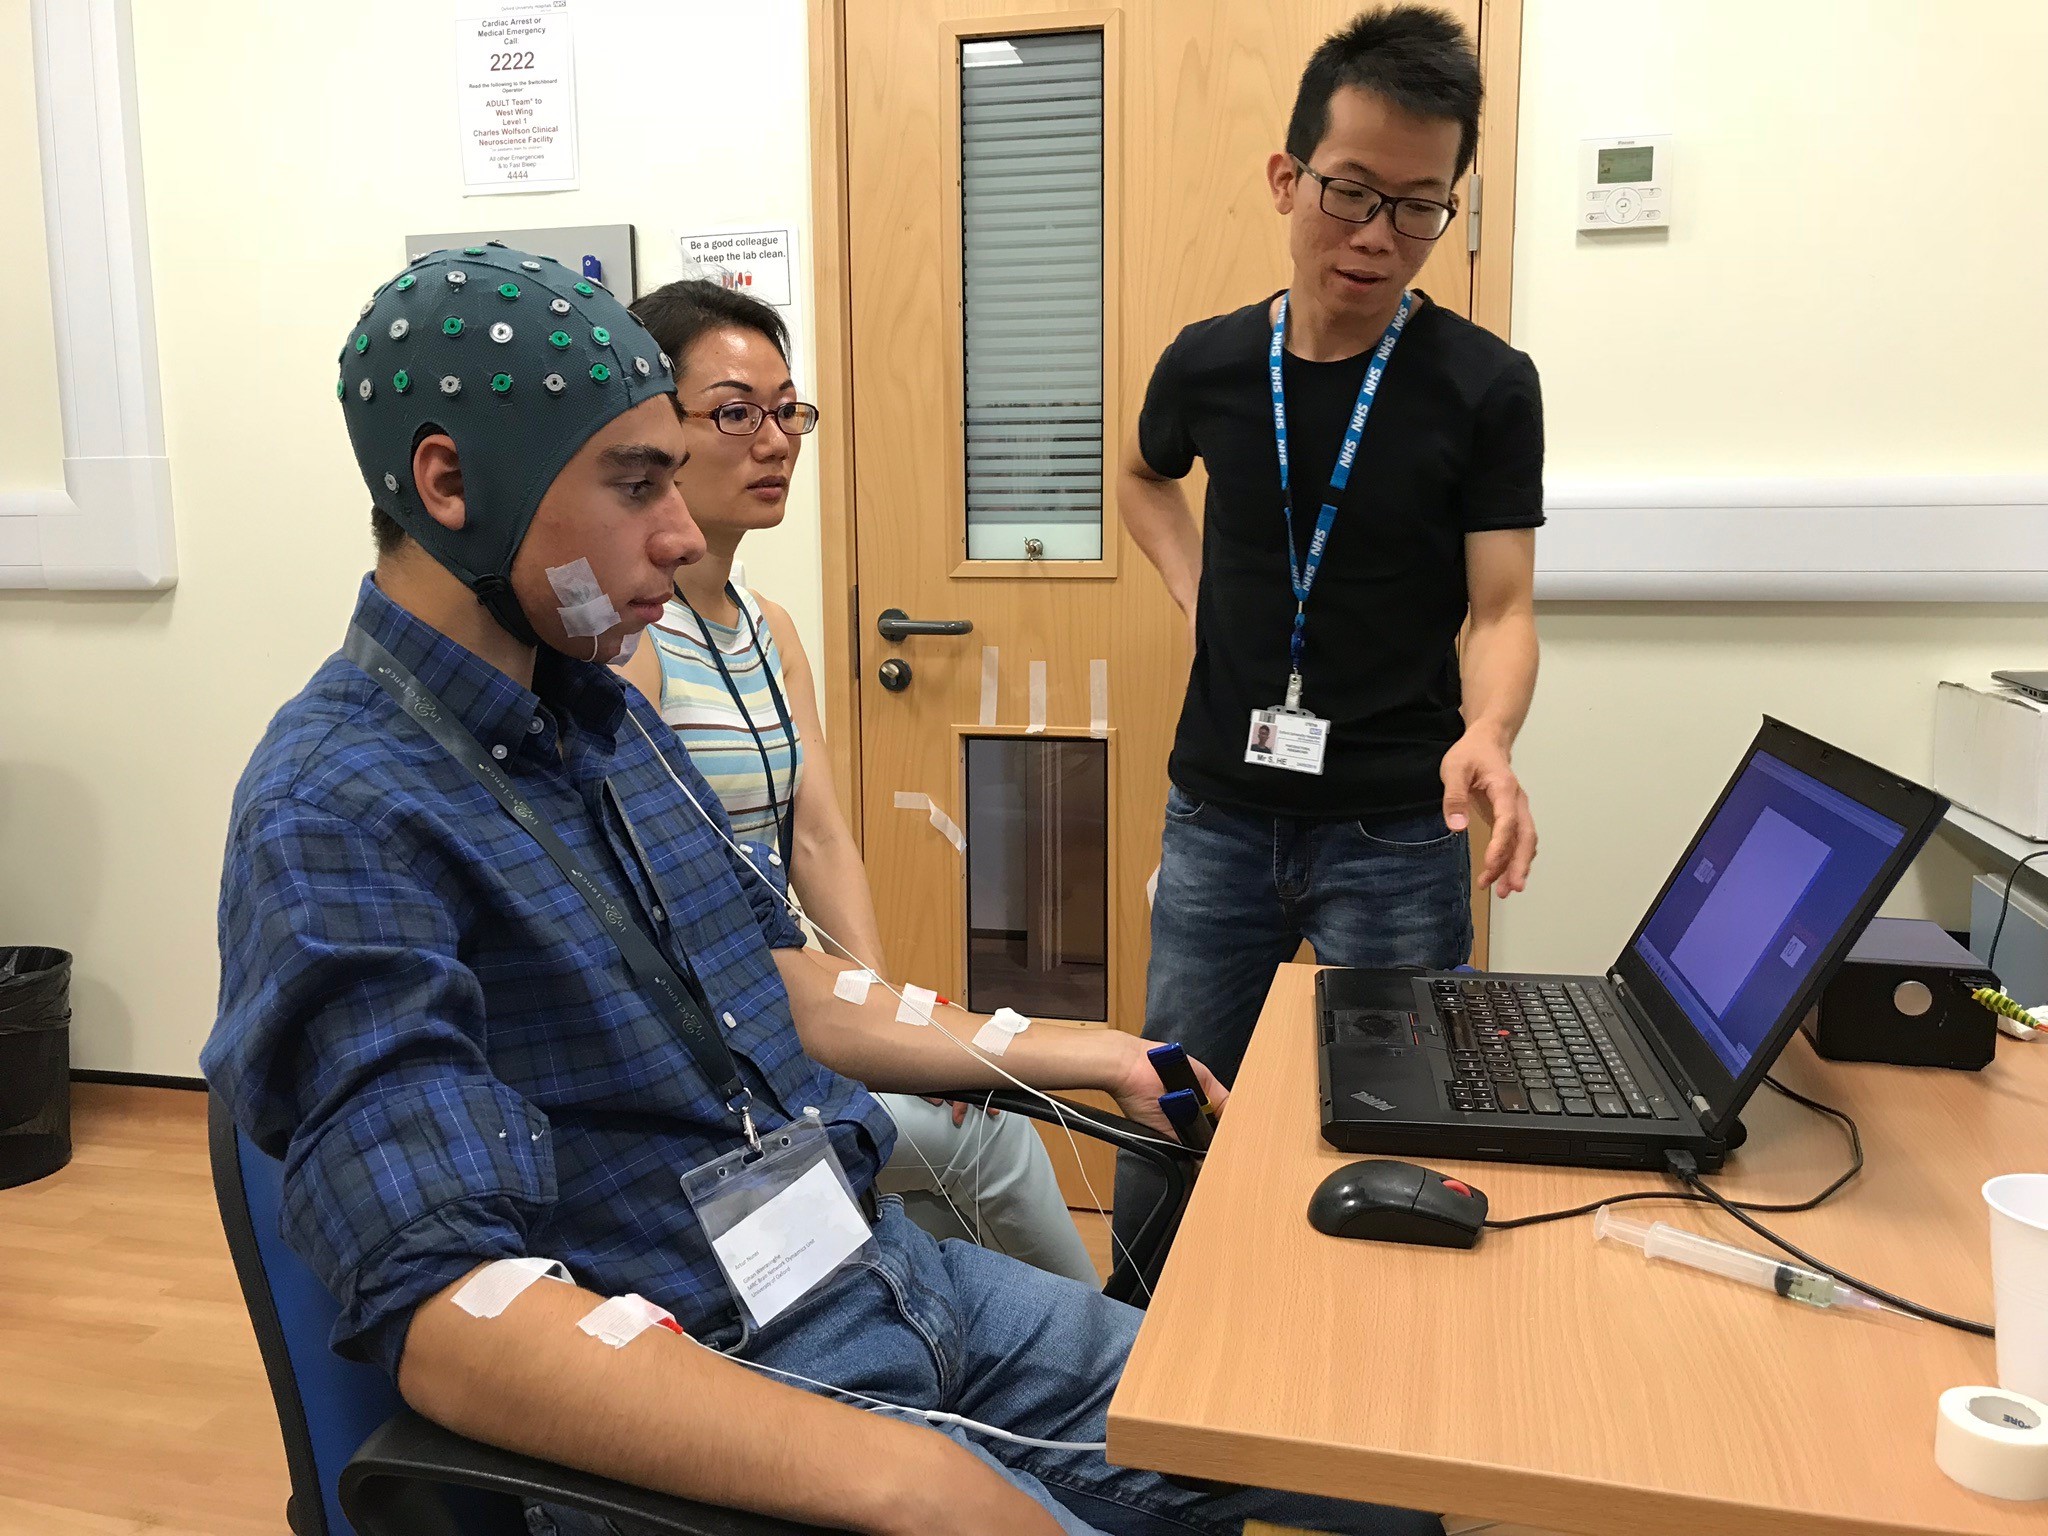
1419 218
743 418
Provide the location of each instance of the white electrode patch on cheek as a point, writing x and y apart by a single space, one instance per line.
585 610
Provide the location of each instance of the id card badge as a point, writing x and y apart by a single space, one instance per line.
781 1221
1287 738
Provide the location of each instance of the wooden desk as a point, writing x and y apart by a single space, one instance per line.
1546 1378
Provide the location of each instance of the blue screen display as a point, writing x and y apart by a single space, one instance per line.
1776 877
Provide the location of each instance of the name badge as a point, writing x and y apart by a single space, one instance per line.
782 1222
1292 739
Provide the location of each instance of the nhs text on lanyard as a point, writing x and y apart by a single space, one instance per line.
1288 736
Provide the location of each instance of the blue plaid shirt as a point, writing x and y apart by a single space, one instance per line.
419 1015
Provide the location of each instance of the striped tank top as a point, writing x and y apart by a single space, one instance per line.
701 709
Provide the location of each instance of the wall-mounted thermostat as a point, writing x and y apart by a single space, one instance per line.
1625 183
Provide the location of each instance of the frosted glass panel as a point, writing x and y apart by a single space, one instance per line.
1038 876
1031 255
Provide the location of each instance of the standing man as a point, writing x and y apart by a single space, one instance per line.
1375 479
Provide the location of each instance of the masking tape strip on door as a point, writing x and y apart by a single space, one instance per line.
1037 722
989 663
1098 698
908 800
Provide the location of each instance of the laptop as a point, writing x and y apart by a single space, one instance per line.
2033 684
1662 1052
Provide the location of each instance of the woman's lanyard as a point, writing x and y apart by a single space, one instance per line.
1304 572
784 815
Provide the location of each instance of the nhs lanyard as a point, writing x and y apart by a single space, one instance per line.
1304 571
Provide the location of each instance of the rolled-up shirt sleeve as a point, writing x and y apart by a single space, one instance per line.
350 1045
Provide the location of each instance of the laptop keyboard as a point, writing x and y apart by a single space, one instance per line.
1544 1048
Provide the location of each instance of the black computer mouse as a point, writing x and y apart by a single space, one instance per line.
1388 1202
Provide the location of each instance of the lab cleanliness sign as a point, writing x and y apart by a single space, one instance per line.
755 262
515 84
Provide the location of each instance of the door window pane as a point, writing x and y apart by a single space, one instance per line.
1038 876
1031 257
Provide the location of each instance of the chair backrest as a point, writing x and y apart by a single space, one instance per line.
326 1406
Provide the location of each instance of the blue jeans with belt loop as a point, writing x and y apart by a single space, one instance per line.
1238 893
953 1327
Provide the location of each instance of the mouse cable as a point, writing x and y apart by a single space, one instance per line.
1855 1167
1683 1168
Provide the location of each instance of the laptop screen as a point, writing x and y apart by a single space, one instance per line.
1775 877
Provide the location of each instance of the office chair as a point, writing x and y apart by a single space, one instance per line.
363 1464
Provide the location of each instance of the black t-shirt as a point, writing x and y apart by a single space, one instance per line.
1454 445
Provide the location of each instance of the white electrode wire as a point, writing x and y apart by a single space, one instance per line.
1058 1112
979 1123
904 1138
929 1415
967 1049
791 901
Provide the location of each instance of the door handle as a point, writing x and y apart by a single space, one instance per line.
895 625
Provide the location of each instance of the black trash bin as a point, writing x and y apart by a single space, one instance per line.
35 1063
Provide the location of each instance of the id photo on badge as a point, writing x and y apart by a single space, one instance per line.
1258 747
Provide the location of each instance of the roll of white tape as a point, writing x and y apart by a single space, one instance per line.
1993 1441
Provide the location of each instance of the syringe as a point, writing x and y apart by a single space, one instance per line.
1661 1240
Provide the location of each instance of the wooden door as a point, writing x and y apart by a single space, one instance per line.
1195 95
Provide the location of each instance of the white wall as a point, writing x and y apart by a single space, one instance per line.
287 150
1848 287
1803 316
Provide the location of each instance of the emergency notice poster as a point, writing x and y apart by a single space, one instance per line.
515 82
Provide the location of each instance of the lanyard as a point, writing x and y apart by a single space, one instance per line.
678 1000
1304 572
784 823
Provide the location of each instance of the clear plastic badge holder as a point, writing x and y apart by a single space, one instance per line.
782 1221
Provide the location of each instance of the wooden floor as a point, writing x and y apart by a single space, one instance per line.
131 1395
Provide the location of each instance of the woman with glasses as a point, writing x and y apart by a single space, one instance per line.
727 671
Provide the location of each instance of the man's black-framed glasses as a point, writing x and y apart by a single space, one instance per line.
1419 218
743 418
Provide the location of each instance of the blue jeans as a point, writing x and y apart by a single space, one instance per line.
954 1327
1239 891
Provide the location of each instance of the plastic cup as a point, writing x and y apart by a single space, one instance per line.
2019 1279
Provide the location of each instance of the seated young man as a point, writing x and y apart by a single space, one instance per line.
491 990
